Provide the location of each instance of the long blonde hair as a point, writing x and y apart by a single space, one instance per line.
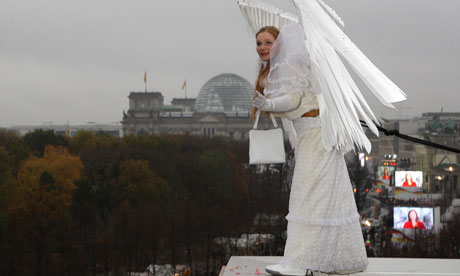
264 69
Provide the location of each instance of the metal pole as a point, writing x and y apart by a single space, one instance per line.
145 80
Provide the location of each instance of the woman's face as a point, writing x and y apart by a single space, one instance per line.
408 177
264 42
385 171
413 216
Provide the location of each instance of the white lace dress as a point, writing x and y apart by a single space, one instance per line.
323 231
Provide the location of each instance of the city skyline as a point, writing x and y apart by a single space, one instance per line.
79 61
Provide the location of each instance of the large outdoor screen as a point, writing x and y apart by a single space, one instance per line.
409 179
413 218
384 174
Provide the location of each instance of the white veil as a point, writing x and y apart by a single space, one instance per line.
289 63
290 69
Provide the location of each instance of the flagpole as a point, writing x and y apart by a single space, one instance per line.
145 80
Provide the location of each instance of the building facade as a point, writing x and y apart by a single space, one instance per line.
221 109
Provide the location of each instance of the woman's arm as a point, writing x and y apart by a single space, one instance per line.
283 103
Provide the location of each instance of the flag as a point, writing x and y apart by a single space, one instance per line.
145 76
184 85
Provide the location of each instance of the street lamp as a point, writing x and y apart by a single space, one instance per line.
367 223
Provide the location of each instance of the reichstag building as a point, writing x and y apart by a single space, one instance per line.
221 108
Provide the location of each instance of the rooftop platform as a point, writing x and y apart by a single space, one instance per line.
255 265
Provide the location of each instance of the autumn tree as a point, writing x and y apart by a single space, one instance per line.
40 221
114 205
7 195
140 196
14 146
37 140
99 154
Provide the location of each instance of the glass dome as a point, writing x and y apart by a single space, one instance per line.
225 93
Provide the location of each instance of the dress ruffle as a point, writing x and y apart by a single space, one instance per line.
358 266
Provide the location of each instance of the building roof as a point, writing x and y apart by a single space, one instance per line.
225 93
145 94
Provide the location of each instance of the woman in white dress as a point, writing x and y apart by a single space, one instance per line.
323 232
304 80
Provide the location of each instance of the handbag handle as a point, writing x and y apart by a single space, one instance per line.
256 122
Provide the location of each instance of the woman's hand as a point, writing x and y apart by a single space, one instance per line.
261 102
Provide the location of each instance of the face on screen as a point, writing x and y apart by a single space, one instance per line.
384 174
408 179
413 218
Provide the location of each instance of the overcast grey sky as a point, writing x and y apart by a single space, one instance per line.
78 60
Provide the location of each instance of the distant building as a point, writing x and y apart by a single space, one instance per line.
441 169
110 130
221 108
443 128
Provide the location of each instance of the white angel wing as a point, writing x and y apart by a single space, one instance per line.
259 14
341 103
332 14
313 17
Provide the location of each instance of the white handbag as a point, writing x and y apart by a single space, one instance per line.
266 146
